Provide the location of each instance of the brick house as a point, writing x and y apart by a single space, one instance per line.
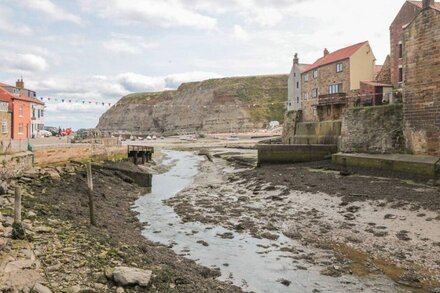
5 120
406 14
421 76
326 84
20 103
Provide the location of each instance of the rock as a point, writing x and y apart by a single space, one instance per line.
43 229
3 188
285 282
390 216
204 243
31 214
120 290
131 276
74 289
53 174
269 236
40 289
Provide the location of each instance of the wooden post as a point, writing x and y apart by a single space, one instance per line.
17 209
90 192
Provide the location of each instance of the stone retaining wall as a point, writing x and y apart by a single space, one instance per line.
46 156
12 166
373 130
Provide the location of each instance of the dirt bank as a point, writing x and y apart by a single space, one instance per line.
370 224
71 257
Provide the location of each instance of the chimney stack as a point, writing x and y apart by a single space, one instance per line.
428 3
19 83
296 59
326 52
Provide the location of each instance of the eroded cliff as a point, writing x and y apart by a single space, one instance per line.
216 105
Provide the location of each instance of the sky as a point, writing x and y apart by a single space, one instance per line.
101 50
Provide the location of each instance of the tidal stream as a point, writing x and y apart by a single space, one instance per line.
252 264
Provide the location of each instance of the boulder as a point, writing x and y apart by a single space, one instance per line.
40 289
3 188
126 276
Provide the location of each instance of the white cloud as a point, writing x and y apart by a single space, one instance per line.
175 80
128 44
19 63
7 24
165 13
240 34
52 11
133 82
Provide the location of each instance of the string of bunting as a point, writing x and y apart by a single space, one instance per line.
75 101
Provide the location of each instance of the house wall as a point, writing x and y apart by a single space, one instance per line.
25 119
405 16
327 76
384 75
5 116
37 120
361 66
421 91
294 89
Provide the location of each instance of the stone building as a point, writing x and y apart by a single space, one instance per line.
326 84
294 101
5 120
421 76
406 14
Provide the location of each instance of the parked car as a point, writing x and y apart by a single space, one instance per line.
44 133
148 137
154 137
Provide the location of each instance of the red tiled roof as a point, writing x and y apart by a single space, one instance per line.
338 55
303 67
420 4
7 96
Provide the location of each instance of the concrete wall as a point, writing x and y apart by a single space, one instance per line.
326 132
12 166
421 91
285 154
46 156
373 130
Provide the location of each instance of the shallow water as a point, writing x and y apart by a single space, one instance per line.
253 264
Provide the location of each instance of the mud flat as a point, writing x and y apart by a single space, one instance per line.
313 229
61 253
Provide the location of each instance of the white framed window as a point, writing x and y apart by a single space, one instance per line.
20 111
4 107
314 93
4 126
306 77
20 128
339 67
335 88
306 96
315 74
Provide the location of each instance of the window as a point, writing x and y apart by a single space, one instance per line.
20 111
339 67
400 74
306 77
4 126
297 84
297 100
315 74
306 96
42 113
400 50
4 107
20 128
335 88
33 112
314 93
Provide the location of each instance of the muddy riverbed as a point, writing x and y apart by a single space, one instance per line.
305 228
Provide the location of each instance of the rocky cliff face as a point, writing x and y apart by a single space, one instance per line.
216 105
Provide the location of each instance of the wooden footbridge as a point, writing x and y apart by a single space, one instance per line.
140 154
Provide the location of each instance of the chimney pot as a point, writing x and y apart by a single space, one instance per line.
296 59
326 52
428 3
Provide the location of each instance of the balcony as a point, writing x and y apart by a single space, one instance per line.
332 99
